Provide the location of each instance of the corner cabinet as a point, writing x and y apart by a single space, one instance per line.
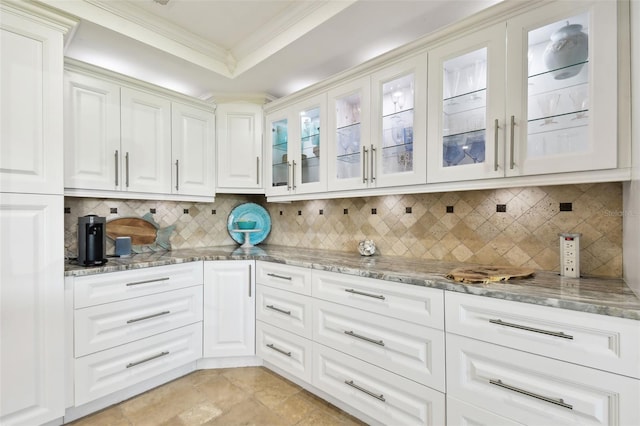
239 148
544 115
229 308
296 149
126 140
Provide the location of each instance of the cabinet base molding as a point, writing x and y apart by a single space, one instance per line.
321 394
94 193
74 413
228 362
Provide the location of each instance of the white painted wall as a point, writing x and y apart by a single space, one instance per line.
631 194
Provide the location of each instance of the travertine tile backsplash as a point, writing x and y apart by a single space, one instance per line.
417 225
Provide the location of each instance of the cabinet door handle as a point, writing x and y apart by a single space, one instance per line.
126 162
361 293
512 143
368 392
151 358
368 339
496 126
116 155
556 401
288 176
177 175
148 317
294 175
535 330
282 311
364 165
147 281
373 159
257 170
250 281
272 346
282 277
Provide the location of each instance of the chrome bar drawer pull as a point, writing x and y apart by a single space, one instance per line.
375 296
535 330
279 276
555 401
151 358
282 311
368 339
147 281
148 317
368 392
272 346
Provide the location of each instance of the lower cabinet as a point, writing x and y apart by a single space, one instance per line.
382 395
462 414
229 308
285 350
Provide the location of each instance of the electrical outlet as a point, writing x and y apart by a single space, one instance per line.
570 255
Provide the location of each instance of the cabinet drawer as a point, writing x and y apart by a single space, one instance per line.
285 277
102 373
462 414
111 287
285 350
599 341
411 350
382 395
536 390
284 309
420 305
101 327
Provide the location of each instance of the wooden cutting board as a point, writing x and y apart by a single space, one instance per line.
486 274
140 231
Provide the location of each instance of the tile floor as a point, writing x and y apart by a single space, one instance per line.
232 396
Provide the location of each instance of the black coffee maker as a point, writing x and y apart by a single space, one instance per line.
92 239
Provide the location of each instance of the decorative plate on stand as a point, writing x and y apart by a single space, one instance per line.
249 212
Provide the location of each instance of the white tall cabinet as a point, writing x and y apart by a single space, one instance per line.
31 208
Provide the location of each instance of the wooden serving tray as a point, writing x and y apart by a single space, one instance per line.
486 274
141 231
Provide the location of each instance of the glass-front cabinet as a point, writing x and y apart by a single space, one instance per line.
544 115
296 148
466 95
562 89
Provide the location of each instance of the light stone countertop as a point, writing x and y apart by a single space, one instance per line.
595 295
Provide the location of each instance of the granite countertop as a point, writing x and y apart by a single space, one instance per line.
596 295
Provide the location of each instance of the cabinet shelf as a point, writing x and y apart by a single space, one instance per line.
349 158
398 113
557 73
468 133
348 128
558 122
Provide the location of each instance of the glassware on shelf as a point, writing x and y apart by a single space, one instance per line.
452 82
452 153
548 104
580 99
474 147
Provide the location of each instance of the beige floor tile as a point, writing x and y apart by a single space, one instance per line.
220 391
247 413
111 416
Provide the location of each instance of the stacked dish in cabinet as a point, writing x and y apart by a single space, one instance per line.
134 325
516 363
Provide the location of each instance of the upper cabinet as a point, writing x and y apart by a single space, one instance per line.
239 148
543 116
126 142
296 150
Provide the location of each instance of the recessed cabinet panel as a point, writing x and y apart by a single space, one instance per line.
278 153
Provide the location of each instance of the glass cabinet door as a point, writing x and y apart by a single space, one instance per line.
349 144
467 87
556 128
308 155
279 153
310 145
399 140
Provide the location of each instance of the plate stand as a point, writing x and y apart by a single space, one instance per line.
247 237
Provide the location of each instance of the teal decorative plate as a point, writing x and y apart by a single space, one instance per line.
249 211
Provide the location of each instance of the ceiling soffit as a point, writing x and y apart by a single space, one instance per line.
135 22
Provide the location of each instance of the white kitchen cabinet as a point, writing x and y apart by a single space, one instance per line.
192 147
545 115
31 115
285 277
31 308
92 149
533 389
239 148
384 396
146 141
284 309
290 352
462 414
229 308
296 152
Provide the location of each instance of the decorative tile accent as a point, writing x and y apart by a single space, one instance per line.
525 235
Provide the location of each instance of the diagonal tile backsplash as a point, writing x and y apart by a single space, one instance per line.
463 226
